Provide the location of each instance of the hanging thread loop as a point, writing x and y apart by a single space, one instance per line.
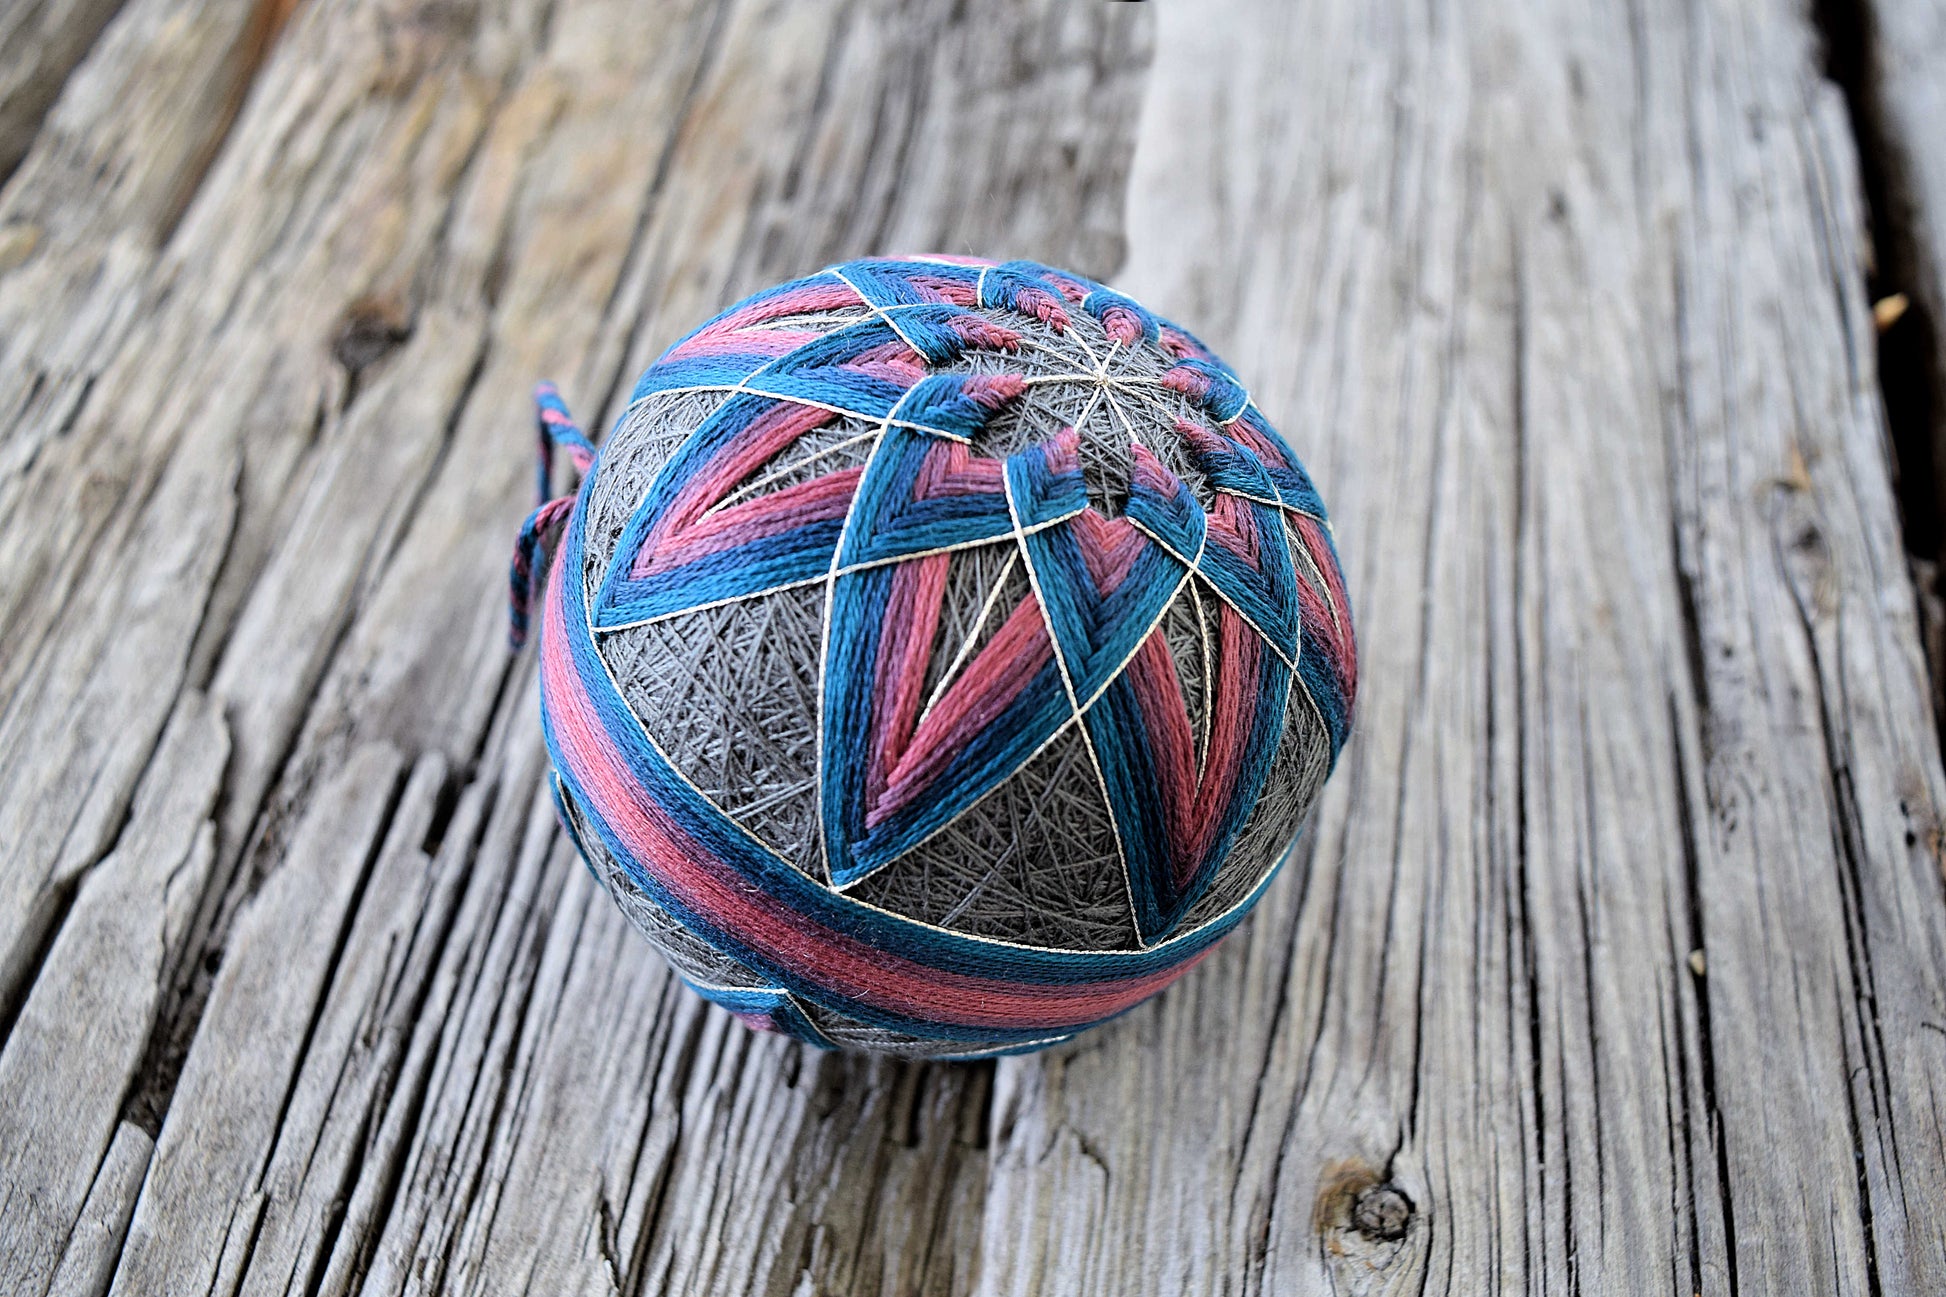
556 428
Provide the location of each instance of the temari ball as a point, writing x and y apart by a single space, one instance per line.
939 657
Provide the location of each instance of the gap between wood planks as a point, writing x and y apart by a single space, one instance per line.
1902 284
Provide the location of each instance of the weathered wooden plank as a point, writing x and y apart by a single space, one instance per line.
39 45
1566 307
118 495
238 1084
334 345
81 224
75 1050
357 1039
88 1265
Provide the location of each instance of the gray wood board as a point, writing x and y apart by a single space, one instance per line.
1613 961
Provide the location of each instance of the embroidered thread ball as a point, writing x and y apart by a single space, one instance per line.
939 656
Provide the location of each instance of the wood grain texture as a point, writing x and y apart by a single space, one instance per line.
1620 941
40 43
1615 959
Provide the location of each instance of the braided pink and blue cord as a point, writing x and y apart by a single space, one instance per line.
557 428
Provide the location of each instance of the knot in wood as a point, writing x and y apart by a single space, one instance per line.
1382 1213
